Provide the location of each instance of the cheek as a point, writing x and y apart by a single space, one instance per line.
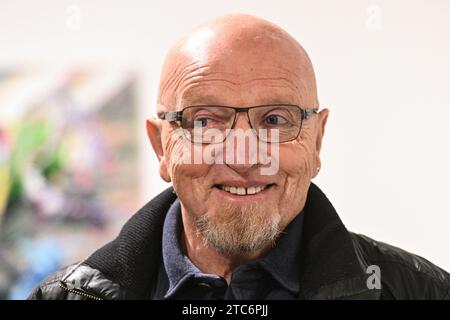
189 180
173 150
187 175
296 160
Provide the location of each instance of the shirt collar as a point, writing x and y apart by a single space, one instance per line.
178 266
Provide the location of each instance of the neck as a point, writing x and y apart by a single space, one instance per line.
207 258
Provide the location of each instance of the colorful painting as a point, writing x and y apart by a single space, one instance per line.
68 161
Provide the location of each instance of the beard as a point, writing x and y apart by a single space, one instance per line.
239 229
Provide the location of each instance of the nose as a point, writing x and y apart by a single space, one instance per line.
243 154
242 121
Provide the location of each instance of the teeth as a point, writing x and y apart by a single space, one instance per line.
251 190
242 191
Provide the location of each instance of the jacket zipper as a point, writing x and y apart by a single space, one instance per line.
80 293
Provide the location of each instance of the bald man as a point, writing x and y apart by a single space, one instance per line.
238 133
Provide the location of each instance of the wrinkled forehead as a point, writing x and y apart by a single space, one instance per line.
217 64
240 94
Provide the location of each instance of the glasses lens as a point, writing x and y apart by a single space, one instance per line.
207 124
276 123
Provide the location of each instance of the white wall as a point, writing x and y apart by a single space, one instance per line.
382 66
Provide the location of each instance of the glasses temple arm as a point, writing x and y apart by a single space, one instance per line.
309 112
170 116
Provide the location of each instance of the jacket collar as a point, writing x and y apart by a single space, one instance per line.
330 268
132 259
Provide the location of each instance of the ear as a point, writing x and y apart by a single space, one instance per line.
154 135
321 123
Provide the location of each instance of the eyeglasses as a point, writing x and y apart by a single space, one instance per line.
201 123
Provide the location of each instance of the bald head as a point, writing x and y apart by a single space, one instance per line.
236 53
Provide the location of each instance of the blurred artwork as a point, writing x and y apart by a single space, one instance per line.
68 168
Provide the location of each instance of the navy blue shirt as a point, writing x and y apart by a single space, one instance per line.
274 276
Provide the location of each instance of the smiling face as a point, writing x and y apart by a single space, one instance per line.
239 61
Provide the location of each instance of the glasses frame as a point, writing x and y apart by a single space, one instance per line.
177 116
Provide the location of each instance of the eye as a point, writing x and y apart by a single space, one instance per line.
201 122
274 119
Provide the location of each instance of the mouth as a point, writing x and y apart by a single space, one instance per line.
243 191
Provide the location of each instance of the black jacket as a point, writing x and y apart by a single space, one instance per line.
335 262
